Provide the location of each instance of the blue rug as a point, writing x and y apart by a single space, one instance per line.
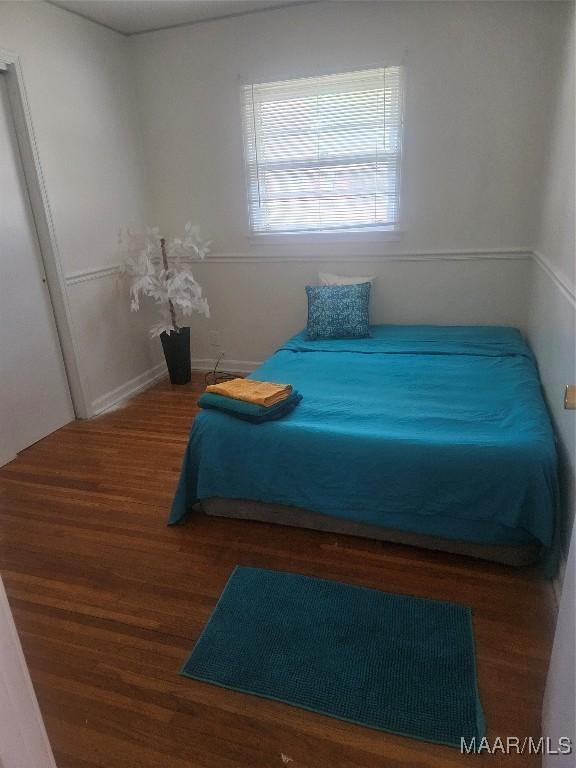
397 663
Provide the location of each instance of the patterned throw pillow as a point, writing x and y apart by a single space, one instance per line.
338 311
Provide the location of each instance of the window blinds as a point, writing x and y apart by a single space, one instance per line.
323 153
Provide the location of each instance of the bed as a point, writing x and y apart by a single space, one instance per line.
429 435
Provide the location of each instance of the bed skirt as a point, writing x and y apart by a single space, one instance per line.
512 554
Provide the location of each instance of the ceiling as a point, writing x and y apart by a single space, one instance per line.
134 16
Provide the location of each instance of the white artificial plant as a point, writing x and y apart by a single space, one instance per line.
162 270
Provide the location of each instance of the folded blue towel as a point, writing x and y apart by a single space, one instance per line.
249 411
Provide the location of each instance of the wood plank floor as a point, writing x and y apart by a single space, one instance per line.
109 601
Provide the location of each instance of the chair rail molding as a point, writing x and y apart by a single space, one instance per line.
95 273
561 281
280 253
496 254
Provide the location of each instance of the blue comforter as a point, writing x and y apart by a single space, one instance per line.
436 430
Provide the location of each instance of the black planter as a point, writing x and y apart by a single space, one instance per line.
176 346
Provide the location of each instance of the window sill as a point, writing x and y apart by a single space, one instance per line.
320 238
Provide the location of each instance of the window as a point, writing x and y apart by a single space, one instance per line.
323 153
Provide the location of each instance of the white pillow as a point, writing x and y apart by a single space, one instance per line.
326 278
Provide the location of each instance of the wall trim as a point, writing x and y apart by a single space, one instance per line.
73 278
129 389
558 581
158 372
359 256
6 456
497 254
558 278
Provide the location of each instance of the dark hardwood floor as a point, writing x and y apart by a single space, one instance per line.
109 601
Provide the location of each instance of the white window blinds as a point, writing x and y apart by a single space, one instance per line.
323 153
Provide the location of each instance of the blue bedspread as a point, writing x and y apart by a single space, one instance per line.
436 430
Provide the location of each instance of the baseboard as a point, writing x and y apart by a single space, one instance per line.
558 581
129 389
236 366
5 458
155 374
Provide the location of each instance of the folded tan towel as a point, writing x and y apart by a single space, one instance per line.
263 393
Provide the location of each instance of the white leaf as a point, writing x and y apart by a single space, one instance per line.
143 267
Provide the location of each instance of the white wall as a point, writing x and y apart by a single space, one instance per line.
552 319
258 306
478 97
80 92
551 328
559 713
555 231
23 739
478 104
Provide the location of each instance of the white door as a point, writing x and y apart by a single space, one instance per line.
23 739
35 399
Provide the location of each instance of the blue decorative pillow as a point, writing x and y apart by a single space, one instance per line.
338 311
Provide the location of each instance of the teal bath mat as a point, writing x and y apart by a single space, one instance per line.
397 663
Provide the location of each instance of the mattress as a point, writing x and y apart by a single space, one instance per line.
436 431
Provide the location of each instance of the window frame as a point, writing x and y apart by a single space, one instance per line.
367 235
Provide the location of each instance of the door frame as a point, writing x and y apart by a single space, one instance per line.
11 67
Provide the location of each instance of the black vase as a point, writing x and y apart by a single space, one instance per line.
176 346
